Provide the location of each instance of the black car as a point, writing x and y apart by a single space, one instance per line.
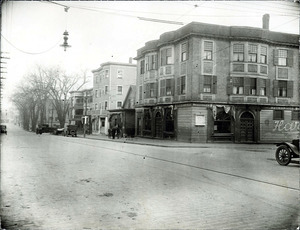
287 152
44 128
71 130
3 129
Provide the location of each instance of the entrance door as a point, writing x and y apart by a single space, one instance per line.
158 125
139 127
247 127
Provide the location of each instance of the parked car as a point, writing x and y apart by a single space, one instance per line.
44 128
3 129
58 131
286 151
71 130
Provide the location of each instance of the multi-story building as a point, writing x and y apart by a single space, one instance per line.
76 108
81 104
111 82
205 81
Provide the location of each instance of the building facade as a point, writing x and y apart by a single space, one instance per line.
204 81
111 82
124 117
81 104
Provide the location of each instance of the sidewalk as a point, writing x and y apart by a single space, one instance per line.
177 144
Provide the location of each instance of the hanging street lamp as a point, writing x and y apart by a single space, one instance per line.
65 44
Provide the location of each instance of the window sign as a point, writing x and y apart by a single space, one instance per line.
199 120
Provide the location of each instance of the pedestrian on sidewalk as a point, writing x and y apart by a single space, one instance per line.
114 130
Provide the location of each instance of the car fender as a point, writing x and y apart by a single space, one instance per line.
291 146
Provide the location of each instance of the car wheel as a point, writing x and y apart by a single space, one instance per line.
283 155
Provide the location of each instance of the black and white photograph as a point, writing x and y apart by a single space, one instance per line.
149 115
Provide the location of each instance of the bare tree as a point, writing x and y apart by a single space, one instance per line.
60 84
42 85
26 101
19 99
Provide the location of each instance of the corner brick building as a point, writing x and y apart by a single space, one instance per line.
205 82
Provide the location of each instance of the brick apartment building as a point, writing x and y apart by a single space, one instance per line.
111 82
205 81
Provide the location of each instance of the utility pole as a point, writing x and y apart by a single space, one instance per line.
2 58
85 117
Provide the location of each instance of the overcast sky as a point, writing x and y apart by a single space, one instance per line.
32 31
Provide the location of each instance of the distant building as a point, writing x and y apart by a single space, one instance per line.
205 82
111 82
76 108
81 104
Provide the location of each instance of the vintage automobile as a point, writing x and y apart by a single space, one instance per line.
286 151
44 128
3 129
71 130
58 131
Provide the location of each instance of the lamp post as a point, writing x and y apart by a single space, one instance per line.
85 117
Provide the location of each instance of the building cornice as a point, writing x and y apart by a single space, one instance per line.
113 64
230 33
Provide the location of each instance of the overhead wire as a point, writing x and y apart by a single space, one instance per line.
97 9
104 10
253 8
27 52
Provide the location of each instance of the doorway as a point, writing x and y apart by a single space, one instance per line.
158 125
247 127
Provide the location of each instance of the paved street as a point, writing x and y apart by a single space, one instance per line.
56 182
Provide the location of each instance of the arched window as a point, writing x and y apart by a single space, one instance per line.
247 115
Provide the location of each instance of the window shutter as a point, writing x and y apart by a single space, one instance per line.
140 93
173 86
275 57
275 88
290 58
187 50
268 87
201 83
147 90
163 87
290 87
155 89
163 57
154 61
178 85
229 85
247 85
214 86
258 86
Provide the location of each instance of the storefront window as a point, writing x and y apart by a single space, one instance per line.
222 123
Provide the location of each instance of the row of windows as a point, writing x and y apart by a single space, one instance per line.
105 105
279 115
105 74
100 92
208 84
255 54
258 86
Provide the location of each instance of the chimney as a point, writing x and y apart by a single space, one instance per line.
265 21
130 60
